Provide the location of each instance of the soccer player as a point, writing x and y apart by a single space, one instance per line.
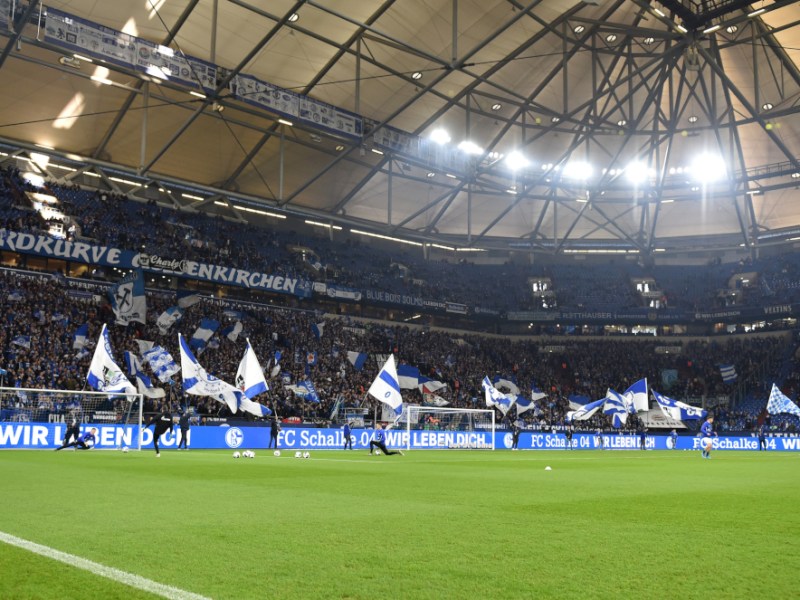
82 443
73 430
642 437
674 437
380 444
348 441
706 431
762 437
600 441
183 423
274 429
568 435
515 431
163 423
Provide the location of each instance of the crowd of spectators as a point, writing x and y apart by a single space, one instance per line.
41 314
113 219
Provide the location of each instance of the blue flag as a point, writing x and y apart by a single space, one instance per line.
778 403
203 333
318 329
586 411
408 377
81 337
161 363
616 406
679 410
728 373
22 340
357 359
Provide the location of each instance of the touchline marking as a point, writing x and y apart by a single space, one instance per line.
129 579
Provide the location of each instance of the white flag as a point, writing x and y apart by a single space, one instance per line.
250 377
104 374
386 388
198 382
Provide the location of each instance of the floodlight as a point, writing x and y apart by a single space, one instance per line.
637 172
516 161
470 147
440 136
708 168
578 170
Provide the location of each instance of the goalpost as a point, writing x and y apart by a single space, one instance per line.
451 428
58 408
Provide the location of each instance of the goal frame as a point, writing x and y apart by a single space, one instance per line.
447 410
6 391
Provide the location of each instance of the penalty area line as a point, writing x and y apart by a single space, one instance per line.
129 579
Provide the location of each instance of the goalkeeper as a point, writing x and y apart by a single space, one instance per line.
84 442
379 442
163 423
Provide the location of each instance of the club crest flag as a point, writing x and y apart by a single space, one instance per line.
250 376
198 382
104 374
679 411
386 388
778 403
161 363
586 411
638 397
128 300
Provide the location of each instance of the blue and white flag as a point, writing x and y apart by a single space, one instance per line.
728 373
198 382
311 358
22 340
203 333
143 382
496 398
187 298
128 299
232 331
357 359
82 353
524 404
81 337
386 388
616 406
586 411
536 393
638 397
252 407
277 368
408 377
429 386
15 296
104 374
502 382
679 411
168 318
311 392
250 377
318 329
233 314
778 403
161 363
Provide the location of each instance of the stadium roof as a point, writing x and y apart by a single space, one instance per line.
639 125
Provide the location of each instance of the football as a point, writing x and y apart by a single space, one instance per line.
252 454
298 455
306 455
125 449
277 453
236 455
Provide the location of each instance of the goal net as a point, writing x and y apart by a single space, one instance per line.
38 418
429 427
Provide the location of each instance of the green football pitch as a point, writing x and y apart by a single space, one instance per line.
447 524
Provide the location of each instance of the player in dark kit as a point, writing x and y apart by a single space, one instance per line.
379 442
73 430
83 441
163 423
183 423
274 429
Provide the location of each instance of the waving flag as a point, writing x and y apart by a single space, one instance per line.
637 394
429 386
318 329
536 393
386 388
495 397
250 377
503 382
128 300
168 318
617 407
144 346
232 331
523 404
22 340
778 403
254 408
161 363
357 359
728 373
586 411
203 333
407 376
187 298
104 374
198 382
678 410
143 382
277 368
81 337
